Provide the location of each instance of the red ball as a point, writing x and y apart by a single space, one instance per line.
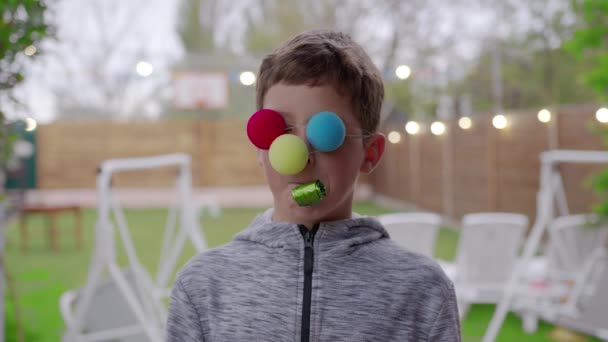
264 126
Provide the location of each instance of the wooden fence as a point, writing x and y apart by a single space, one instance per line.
480 169
68 154
486 169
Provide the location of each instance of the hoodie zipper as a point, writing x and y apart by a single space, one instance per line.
309 236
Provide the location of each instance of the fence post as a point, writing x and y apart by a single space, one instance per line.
491 167
448 169
553 133
414 169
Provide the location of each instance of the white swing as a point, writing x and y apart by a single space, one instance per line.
551 193
127 304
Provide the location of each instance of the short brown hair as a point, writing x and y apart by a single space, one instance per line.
323 57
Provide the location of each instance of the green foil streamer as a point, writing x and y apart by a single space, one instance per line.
309 194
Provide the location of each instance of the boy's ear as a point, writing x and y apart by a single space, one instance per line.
374 149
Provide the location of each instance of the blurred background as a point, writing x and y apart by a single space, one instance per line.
476 91
127 61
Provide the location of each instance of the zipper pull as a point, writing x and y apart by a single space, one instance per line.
308 239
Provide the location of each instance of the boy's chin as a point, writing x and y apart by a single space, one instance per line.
321 212
304 214
307 211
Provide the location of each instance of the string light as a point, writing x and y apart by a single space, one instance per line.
144 68
465 122
247 78
499 121
30 124
437 128
403 72
544 115
602 115
30 50
412 127
394 137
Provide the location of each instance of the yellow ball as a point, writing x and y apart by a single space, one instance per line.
288 154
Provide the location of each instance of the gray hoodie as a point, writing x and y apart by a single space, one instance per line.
347 282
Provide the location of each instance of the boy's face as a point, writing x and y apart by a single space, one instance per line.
338 170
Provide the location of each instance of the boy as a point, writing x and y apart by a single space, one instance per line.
310 269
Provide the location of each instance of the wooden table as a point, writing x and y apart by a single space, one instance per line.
51 213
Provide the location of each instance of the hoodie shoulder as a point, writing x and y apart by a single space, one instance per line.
208 262
414 266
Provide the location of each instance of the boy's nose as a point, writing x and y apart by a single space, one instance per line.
300 132
311 156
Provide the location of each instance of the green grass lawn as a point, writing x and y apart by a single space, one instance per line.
40 276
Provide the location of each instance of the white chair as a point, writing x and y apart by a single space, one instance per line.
487 252
415 231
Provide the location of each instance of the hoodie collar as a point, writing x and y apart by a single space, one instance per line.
341 235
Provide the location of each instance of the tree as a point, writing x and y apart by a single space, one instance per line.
591 41
22 26
197 30
524 81
436 39
535 71
91 66
400 35
276 21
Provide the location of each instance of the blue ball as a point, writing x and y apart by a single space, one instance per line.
325 131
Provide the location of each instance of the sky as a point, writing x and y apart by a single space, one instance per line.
99 43
92 62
